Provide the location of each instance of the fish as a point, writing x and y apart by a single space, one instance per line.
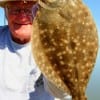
65 44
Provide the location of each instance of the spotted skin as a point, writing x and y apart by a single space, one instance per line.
65 45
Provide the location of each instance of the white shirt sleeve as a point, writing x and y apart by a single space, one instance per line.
52 89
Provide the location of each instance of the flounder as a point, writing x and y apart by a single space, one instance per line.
65 44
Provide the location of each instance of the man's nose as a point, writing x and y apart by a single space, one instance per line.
22 11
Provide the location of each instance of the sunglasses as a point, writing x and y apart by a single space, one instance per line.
26 9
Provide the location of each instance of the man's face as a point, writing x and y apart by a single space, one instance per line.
20 18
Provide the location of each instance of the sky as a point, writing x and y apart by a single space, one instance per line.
93 88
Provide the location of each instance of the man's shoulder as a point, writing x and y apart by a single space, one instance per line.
3 28
3 33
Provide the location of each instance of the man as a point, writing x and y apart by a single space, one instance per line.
19 75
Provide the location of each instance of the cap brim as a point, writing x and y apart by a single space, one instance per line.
2 3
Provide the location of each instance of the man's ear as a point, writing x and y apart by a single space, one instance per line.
5 16
6 13
35 8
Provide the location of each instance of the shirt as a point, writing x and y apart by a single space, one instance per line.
20 78
18 71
